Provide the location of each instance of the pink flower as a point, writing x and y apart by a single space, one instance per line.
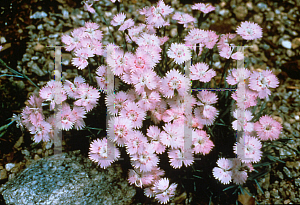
141 62
127 24
242 123
74 42
239 175
201 72
238 76
261 81
245 99
237 56
201 142
249 30
116 102
172 135
153 51
225 52
88 97
132 112
148 39
206 114
89 8
196 36
118 129
154 133
179 52
183 18
103 152
140 179
135 32
118 19
205 8
176 115
157 112
146 160
163 191
248 149
267 128
223 172
41 131
92 32
80 62
148 100
156 15
207 97
32 114
135 142
67 118
174 81
179 157
211 40
78 113
54 93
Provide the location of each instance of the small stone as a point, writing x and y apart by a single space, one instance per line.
48 145
39 151
34 58
40 27
262 6
267 194
280 175
224 12
295 43
297 117
39 47
287 172
286 44
297 182
289 53
275 194
36 69
254 48
39 15
258 19
173 32
240 12
287 201
289 164
9 166
249 5
3 174
36 157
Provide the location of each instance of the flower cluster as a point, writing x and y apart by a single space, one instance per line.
163 96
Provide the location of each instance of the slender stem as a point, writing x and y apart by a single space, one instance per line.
17 73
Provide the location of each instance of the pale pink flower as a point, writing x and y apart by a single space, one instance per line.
135 142
201 142
248 149
238 56
211 40
119 61
224 40
267 128
236 76
115 102
78 113
81 63
41 131
175 115
88 96
196 36
154 133
92 32
157 112
184 18
245 99
146 160
141 62
262 81
118 129
153 51
118 19
54 93
206 114
223 172
243 120
239 175
225 52
156 15
172 136
135 32
148 39
249 30
134 113
74 42
179 52
163 191
142 80
207 97
33 112
205 8
103 152
140 179
67 118
127 24
201 72
148 100
89 8
178 157
174 80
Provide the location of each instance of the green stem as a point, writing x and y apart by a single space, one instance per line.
17 73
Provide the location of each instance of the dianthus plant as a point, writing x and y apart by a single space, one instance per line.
149 110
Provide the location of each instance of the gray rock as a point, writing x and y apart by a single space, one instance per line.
287 172
297 182
36 69
66 179
280 175
287 44
39 15
262 6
